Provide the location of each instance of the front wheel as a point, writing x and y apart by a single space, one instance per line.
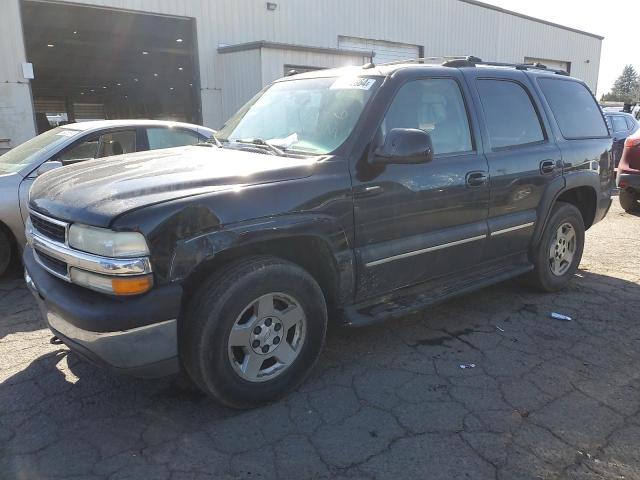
629 200
253 331
559 252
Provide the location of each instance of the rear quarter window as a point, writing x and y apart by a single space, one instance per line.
574 108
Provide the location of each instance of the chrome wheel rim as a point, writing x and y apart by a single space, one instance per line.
267 337
562 249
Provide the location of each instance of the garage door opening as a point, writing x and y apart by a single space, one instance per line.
97 63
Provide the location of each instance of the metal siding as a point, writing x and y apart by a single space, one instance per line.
16 109
443 27
242 78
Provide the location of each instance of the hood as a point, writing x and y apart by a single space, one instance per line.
97 191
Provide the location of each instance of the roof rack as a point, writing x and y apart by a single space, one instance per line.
524 66
471 61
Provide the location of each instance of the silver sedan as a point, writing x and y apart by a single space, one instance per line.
68 145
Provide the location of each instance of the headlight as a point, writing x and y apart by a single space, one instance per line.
111 285
107 243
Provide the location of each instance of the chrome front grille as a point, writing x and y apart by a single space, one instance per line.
48 227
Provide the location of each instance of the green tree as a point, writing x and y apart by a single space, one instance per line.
625 89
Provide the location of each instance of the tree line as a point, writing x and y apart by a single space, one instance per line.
626 88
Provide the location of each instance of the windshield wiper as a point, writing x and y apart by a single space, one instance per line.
212 140
262 143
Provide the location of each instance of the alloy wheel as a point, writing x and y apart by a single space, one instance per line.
267 337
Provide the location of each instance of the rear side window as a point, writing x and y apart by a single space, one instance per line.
169 137
574 108
631 123
619 125
511 118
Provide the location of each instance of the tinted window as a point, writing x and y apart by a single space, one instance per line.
575 109
511 117
631 123
619 125
436 106
170 137
117 143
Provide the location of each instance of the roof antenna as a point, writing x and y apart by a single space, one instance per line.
291 73
370 64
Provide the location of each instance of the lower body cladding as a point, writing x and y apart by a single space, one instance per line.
135 336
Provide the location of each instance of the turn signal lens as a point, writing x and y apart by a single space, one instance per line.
112 285
132 286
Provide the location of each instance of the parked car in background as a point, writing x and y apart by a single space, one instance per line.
359 194
70 144
628 178
621 125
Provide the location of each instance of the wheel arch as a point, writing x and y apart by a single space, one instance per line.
579 189
319 249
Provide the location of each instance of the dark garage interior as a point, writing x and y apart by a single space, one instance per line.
97 63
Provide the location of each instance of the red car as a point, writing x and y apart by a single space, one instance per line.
628 178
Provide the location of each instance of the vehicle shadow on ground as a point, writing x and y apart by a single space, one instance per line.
60 394
18 310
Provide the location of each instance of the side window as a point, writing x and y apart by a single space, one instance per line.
574 108
511 118
631 124
117 143
619 125
170 137
84 150
436 106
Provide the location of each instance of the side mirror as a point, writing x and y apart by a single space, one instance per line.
405 146
48 166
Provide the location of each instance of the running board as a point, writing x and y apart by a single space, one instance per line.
414 299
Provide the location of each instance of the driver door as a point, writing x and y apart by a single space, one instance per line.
417 222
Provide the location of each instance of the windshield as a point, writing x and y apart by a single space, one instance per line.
313 116
22 155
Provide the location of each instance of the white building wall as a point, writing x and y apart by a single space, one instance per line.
443 27
17 122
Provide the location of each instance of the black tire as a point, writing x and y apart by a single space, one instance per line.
6 250
542 276
629 200
212 313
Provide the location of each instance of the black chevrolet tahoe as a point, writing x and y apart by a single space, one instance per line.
357 195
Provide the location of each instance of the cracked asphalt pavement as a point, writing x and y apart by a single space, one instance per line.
546 398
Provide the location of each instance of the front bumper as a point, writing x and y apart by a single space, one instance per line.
135 336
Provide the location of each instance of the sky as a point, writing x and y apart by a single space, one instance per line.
618 22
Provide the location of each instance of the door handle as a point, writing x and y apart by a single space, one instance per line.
370 191
476 179
547 166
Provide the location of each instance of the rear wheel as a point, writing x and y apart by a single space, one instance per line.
629 200
253 331
560 250
5 252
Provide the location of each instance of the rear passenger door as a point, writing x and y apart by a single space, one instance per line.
522 159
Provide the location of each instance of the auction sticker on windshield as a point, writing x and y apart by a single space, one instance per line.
357 83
